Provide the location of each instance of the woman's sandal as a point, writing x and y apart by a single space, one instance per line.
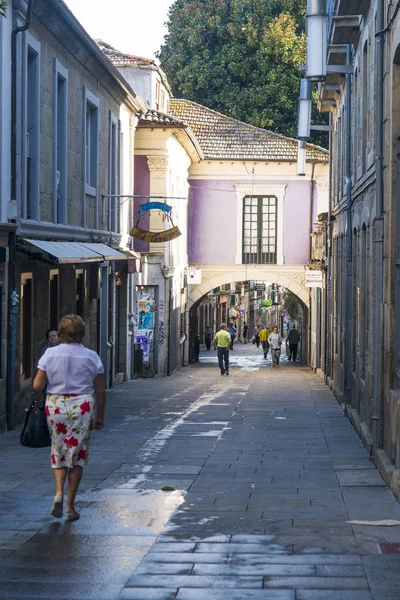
72 515
57 508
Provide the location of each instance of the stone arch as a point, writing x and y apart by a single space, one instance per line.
290 277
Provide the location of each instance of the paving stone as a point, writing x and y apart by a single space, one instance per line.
333 595
142 594
297 559
67 591
261 569
248 594
319 583
186 557
195 581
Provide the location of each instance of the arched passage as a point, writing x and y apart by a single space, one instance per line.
290 277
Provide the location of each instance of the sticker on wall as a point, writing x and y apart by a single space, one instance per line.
155 236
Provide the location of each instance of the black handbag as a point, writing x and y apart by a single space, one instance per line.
35 433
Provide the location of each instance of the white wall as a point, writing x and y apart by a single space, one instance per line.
144 82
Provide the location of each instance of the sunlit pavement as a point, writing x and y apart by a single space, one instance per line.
263 478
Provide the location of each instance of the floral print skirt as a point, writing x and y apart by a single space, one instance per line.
70 421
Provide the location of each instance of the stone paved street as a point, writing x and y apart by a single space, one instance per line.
265 476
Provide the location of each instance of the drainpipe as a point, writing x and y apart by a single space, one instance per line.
12 241
376 417
349 238
328 304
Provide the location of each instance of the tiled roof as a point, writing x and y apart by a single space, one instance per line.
119 59
221 137
153 118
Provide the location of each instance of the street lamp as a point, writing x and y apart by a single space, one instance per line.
301 158
303 131
316 19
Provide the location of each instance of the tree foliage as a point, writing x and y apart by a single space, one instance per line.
3 8
239 57
291 305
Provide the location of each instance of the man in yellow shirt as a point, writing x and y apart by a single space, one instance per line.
222 343
264 335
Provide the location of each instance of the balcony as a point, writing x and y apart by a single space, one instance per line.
352 7
345 29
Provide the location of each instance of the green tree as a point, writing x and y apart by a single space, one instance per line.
291 305
3 8
239 57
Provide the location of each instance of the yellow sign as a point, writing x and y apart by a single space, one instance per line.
156 236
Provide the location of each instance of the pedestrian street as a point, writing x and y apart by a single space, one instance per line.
251 486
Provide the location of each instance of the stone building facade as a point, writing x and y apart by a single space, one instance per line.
74 120
363 286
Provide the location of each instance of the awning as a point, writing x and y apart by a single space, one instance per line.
76 252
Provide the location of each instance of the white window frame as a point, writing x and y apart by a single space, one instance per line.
90 151
31 139
265 189
60 144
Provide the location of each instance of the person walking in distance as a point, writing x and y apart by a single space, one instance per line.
275 343
73 374
208 336
257 330
245 333
293 339
222 342
232 332
264 335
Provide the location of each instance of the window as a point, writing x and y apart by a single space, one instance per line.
259 229
366 108
364 291
60 143
113 174
80 293
53 299
90 150
26 326
32 129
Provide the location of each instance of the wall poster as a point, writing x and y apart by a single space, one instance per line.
146 310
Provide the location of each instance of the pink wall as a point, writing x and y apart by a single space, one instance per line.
213 221
296 223
142 188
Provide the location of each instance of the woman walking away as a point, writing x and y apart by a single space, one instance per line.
275 343
72 373
208 336
245 333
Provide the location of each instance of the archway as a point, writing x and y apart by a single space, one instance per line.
290 277
213 276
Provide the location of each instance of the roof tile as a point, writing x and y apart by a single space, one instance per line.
221 137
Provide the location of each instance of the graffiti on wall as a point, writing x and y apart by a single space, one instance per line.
161 332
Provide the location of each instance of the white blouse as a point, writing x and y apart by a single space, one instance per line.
70 369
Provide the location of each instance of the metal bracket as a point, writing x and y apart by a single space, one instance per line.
322 127
341 69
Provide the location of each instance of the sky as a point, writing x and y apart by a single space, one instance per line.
131 26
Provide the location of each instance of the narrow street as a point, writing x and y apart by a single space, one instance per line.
264 479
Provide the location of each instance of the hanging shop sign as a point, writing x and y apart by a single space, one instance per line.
259 287
155 236
155 206
267 302
313 278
